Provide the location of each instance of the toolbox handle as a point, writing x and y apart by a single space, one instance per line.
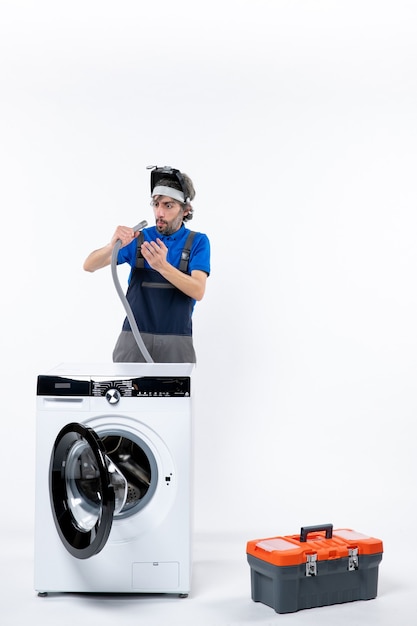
305 530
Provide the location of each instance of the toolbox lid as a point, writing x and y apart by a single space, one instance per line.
326 543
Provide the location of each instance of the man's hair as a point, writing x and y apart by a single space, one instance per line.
190 192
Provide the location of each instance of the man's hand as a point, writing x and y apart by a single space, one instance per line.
125 234
155 253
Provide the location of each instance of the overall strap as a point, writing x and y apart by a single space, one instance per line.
140 261
185 254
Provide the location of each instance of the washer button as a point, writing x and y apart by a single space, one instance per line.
113 396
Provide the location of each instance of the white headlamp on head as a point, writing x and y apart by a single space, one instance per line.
175 194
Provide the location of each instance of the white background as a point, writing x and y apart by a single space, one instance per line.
296 121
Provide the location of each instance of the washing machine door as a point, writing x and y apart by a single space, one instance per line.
82 492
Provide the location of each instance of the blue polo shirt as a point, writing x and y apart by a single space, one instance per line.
158 306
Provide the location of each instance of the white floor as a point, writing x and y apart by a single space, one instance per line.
220 595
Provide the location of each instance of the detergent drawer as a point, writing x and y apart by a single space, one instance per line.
318 567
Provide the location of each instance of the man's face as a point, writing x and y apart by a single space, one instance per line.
169 214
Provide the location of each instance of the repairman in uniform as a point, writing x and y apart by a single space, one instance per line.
170 265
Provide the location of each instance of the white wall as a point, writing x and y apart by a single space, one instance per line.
297 122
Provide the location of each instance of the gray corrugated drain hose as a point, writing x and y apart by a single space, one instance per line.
129 313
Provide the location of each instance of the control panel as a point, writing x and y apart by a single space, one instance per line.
140 387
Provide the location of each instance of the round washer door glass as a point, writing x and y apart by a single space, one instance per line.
84 490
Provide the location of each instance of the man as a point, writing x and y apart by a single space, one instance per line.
166 278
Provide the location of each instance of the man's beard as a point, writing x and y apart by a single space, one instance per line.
166 229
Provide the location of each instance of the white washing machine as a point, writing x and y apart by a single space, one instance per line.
113 503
